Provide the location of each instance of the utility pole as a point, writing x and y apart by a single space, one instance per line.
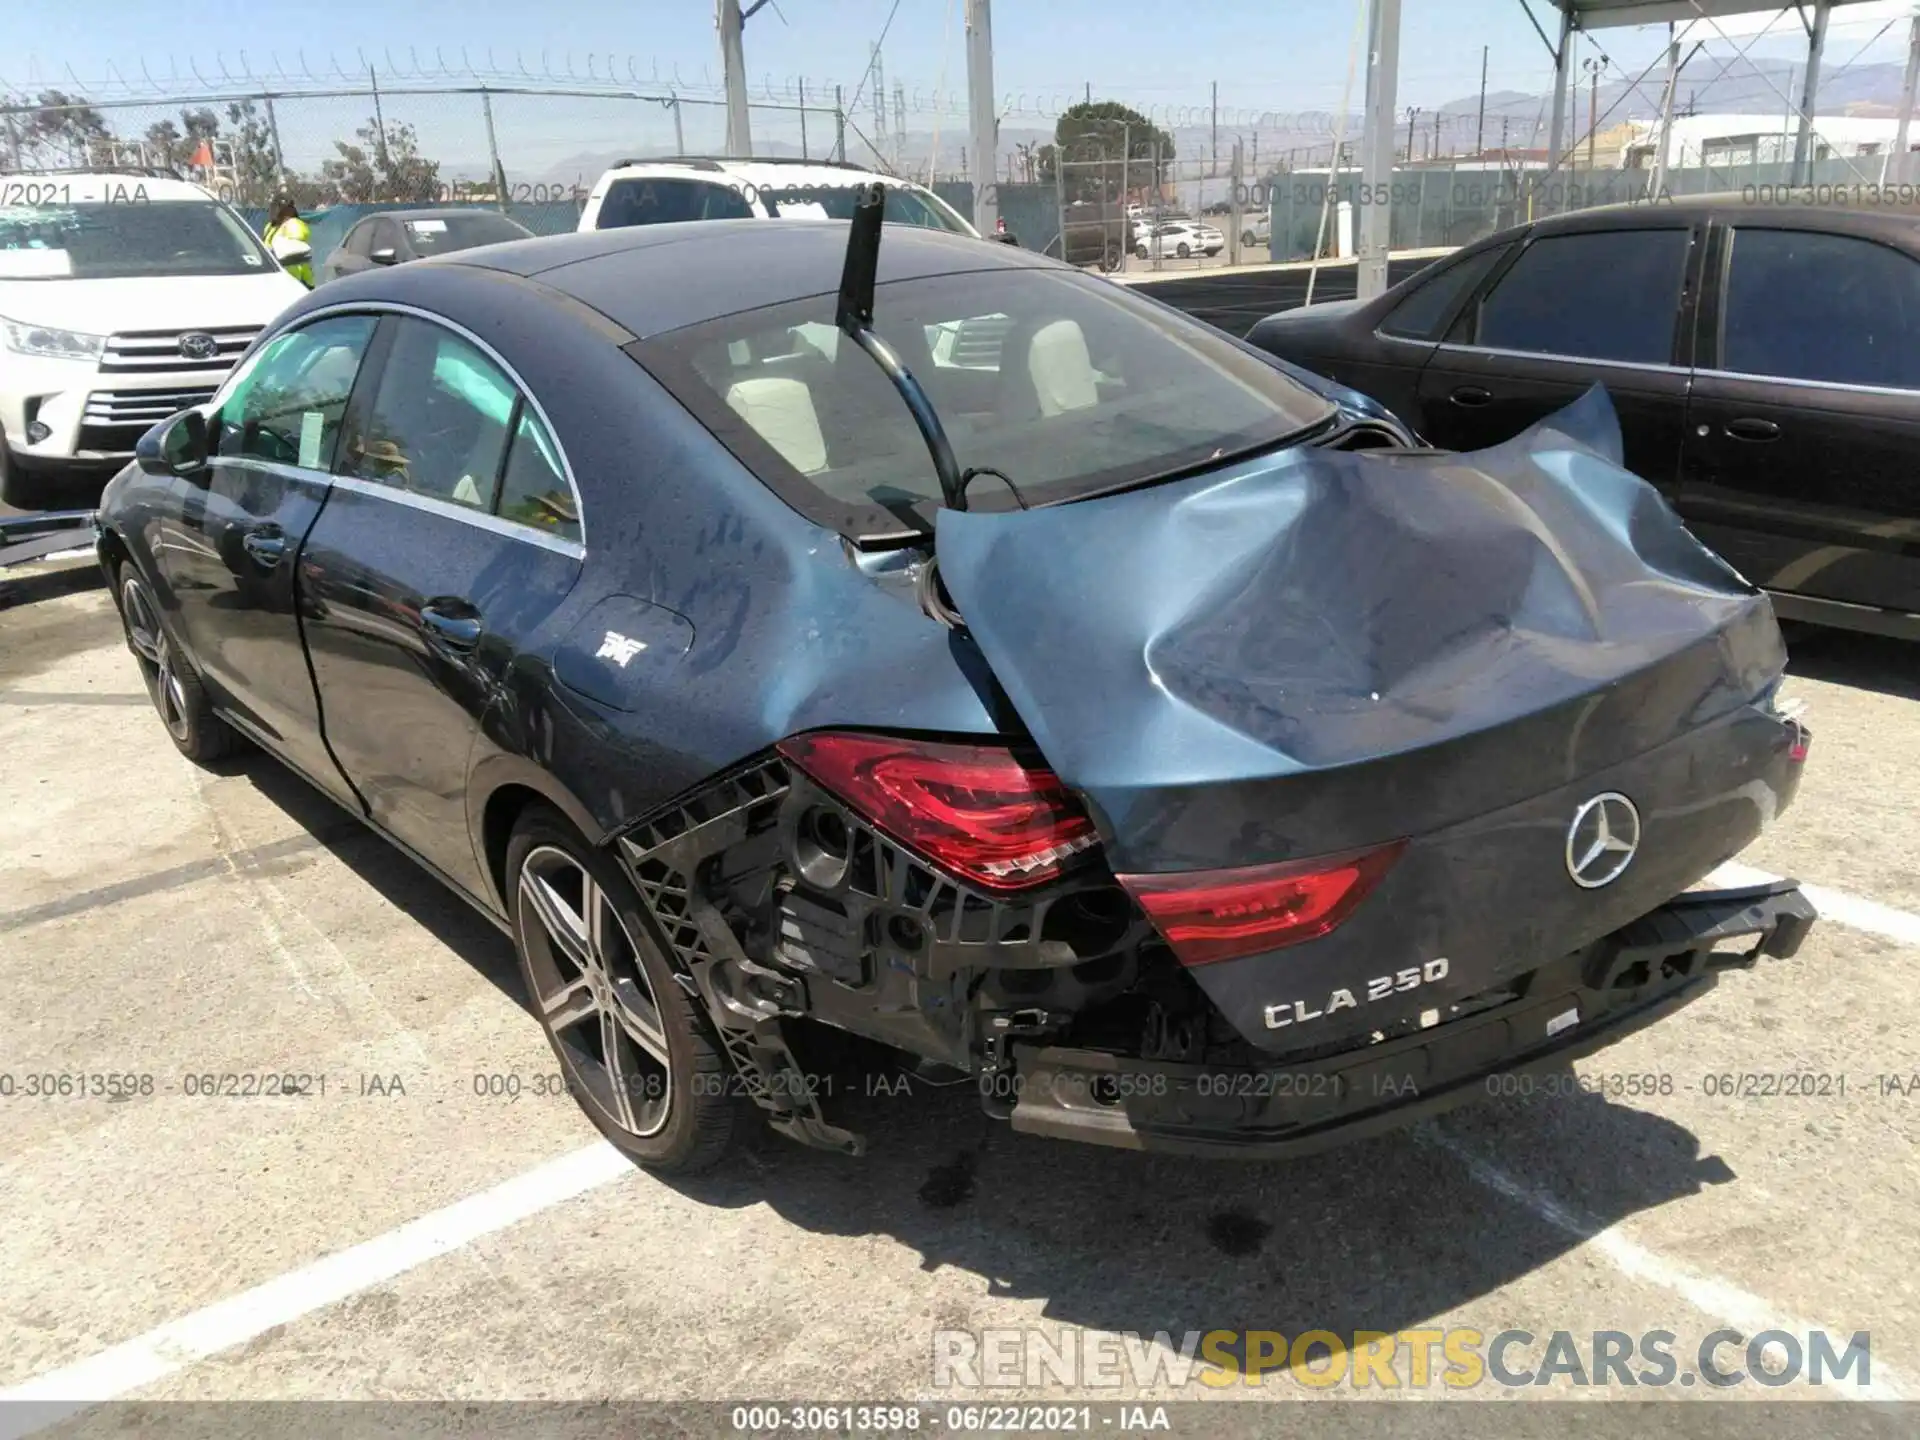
1902 157
273 128
1374 215
379 118
1809 89
1412 111
839 125
499 176
1216 128
733 62
1663 133
803 119
1593 105
1480 125
879 103
899 126
983 126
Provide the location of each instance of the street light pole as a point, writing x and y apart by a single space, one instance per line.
983 127
733 63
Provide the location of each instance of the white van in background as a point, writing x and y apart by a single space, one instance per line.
124 298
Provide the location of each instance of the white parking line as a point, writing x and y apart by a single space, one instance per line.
1837 906
172 1347
1709 1294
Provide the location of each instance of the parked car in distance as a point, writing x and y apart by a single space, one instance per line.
675 189
1765 361
393 237
633 584
1181 239
1257 228
125 296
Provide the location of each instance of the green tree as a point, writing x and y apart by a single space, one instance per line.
256 169
382 167
61 129
1092 138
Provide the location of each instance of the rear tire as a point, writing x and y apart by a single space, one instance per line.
186 712
599 982
1185 251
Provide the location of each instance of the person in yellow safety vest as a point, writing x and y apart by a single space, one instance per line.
287 234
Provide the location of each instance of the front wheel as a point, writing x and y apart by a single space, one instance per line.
1246 237
634 1051
1185 251
1110 259
1140 252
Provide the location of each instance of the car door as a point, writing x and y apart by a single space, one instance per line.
228 553
1805 415
451 533
1571 309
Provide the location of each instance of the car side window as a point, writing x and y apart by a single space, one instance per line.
359 239
386 236
1601 295
438 422
1431 302
1803 305
287 404
533 487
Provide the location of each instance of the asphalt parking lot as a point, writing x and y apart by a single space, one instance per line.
421 1223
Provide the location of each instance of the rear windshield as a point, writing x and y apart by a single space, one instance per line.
436 235
131 238
1066 384
838 202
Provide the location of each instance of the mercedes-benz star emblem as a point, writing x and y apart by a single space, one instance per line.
198 345
1602 840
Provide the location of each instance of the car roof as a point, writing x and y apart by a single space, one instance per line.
1734 206
436 212
653 278
85 187
771 174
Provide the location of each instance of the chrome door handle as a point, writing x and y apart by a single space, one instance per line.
1752 429
1471 395
264 547
450 624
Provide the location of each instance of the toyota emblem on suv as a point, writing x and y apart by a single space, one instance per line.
1602 840
198 345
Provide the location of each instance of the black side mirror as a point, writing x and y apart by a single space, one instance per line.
174 447
1007 237
385 255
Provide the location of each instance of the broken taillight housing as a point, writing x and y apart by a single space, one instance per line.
1211 915
978 811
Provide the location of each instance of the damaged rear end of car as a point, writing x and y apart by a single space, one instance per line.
1328 779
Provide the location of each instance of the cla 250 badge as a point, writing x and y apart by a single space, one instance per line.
1296 1012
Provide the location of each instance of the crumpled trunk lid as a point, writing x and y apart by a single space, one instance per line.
1317 651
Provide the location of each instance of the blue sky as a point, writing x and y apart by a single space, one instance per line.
1265 54
1284 56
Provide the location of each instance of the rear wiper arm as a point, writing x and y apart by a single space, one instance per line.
855 319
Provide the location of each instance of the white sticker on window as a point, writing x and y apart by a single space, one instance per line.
426 227
312 422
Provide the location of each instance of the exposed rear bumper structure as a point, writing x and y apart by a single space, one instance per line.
1558 1013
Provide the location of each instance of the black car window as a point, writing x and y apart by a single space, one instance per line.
438 423
1809 306
533 488
838 202
285 404
359 239
438 234
1087 388
666 201
386 236
1430 304
1605 295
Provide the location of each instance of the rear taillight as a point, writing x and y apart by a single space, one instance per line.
975 810
1209 915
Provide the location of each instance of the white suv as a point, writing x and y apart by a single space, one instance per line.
124 299
659 192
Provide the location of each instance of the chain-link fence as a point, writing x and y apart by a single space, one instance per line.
384 144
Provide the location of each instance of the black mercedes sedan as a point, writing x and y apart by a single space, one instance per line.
789 633
1763 352
393 237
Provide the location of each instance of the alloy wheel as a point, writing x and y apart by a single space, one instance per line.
150 643
593 992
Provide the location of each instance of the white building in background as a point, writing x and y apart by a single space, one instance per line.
1736 140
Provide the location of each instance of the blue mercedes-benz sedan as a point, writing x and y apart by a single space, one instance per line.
789 632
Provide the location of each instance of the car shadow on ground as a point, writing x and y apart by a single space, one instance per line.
1380 1235
1863 662
1384 1234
